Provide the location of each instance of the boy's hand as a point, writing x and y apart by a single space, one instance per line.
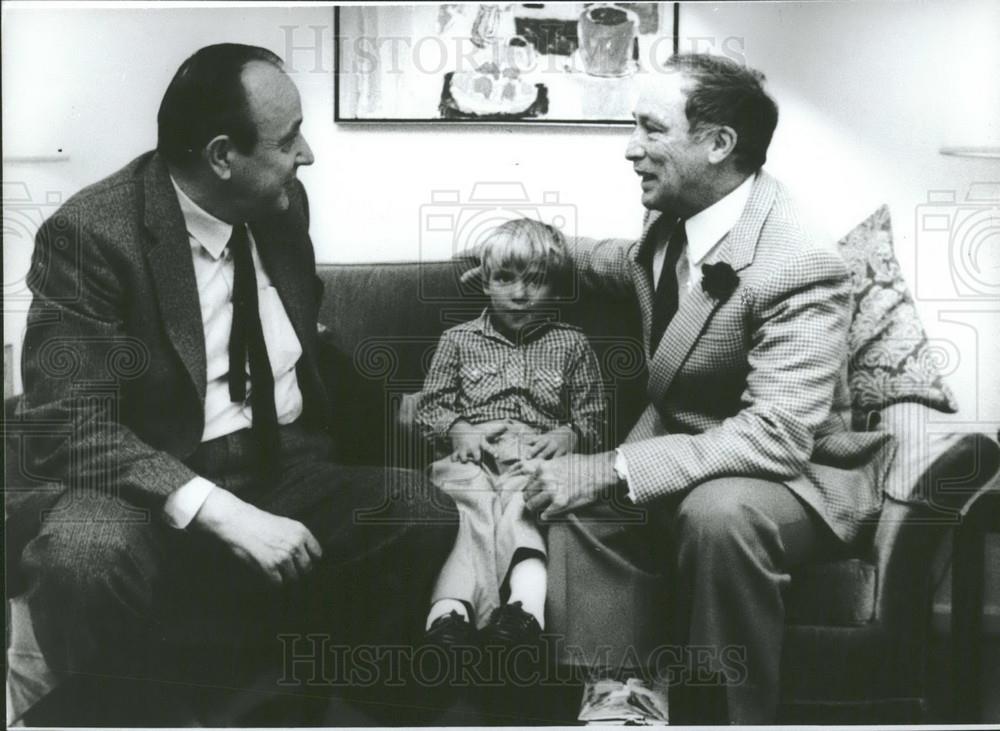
555 443
468 441
467 447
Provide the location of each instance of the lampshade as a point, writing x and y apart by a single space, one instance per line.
971 101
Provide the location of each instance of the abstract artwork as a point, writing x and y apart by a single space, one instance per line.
562 63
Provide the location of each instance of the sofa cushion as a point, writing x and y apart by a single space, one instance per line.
891 360
839 594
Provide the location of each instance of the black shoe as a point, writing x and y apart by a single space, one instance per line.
450 630
512 647
452 639
510 626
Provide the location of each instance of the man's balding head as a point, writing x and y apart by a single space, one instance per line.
230 131
207 98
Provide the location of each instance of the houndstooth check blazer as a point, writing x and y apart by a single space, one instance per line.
753 384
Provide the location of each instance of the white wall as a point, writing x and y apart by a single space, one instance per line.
865 91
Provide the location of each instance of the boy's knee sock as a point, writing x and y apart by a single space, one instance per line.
528 585
445 606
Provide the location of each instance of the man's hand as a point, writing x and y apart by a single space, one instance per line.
567 483
555 443
281 549
472 275
468 441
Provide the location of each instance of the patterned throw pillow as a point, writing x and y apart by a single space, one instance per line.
891 360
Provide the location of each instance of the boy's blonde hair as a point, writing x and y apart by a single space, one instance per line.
530 248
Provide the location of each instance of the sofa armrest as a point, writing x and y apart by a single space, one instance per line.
908 534
980 517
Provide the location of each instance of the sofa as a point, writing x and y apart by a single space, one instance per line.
858 627
857 640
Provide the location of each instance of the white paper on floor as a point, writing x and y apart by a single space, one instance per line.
635 701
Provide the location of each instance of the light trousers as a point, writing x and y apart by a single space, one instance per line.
493 523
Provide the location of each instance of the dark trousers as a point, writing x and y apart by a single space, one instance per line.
109 582
735 542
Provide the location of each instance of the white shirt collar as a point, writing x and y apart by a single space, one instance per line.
212 233
706 228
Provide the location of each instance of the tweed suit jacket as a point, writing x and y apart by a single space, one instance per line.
754 383
114 354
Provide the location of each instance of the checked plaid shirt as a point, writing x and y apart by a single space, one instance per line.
550 379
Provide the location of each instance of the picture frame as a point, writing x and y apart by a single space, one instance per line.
482 63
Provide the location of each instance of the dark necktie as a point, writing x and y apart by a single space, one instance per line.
665 300
246 341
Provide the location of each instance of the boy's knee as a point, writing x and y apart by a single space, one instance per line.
451 477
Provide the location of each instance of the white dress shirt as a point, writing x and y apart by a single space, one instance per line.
705 231
214 272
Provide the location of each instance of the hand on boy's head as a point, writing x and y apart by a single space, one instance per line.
472 276
474 255
561 440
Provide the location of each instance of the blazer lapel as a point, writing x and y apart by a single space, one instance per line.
696 308
172 267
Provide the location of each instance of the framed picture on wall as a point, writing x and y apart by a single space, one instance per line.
525 63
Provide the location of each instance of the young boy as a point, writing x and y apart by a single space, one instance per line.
511 385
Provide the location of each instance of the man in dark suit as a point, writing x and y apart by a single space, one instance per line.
744 455
172 355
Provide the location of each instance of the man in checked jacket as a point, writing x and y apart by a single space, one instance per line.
743 458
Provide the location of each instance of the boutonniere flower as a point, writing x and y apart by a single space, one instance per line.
718 280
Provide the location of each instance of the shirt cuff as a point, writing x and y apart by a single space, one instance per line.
185 502
621 469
